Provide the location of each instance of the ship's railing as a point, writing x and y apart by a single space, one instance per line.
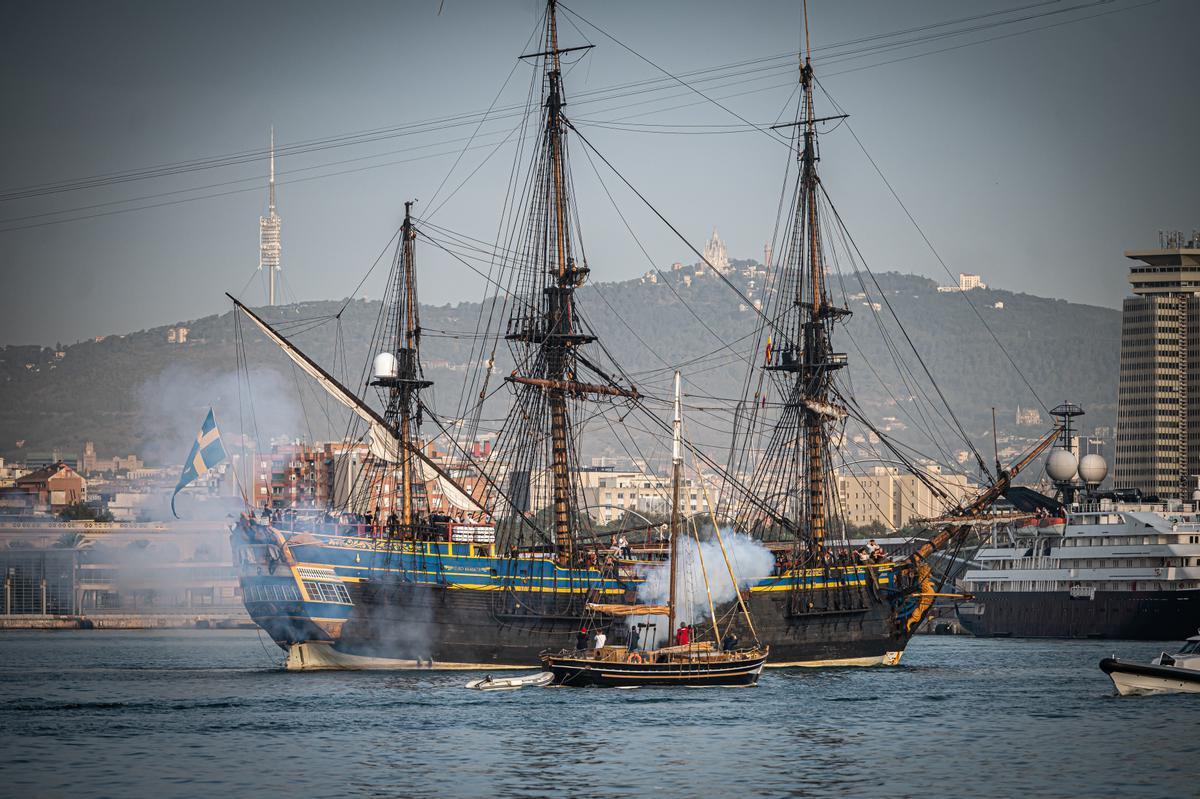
1108 506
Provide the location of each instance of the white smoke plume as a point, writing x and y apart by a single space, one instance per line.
173 403
748 558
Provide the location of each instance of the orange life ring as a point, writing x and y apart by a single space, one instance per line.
635 658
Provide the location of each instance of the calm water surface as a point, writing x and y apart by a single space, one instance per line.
209 713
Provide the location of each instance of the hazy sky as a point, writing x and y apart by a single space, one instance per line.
1033 159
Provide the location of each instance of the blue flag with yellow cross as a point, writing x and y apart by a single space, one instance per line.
207 452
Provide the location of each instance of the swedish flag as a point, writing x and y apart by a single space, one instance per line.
207 452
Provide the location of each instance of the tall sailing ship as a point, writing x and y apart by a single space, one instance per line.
389 582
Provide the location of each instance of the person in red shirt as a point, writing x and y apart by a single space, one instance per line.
681 635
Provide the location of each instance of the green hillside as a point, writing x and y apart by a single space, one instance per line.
141 393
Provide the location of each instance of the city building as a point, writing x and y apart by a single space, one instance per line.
130 463
87 463
610 493
892 498
40 460
52 488
169 575
297 476
344 475
1028 417
716 254
1158 398
177 335
966 282
9 472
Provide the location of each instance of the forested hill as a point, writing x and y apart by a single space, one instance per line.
144 394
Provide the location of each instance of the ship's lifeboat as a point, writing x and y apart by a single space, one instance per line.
1054 525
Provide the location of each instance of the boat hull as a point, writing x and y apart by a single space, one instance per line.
869 633
411 624
409 606
1133 679
585 672
1139 616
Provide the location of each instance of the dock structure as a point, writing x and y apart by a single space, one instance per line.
117 575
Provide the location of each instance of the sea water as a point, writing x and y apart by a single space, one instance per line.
212 714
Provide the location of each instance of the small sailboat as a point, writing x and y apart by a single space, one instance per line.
688 663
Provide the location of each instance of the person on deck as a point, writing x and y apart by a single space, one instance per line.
682 635
601 640
581 638
874 550
633 638
730 642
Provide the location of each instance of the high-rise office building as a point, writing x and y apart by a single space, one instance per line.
1158 405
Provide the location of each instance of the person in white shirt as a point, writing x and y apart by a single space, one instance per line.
600 639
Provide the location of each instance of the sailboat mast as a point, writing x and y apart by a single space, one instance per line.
676 521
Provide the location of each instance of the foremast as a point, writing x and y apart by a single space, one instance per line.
401 377
384 443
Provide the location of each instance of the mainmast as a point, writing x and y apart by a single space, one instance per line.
547 326
399 372
805 349
676 480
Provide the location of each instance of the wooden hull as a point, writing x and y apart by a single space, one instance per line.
585 672
441 606
415 625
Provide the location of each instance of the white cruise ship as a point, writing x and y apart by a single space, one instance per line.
1093 568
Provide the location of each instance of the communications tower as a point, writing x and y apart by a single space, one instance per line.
268 233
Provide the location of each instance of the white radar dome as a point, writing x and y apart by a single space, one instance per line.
384 366
1061 465
1093 469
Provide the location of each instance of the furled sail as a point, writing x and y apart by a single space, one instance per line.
628 610
453 494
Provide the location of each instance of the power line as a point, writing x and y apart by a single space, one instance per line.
836 51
